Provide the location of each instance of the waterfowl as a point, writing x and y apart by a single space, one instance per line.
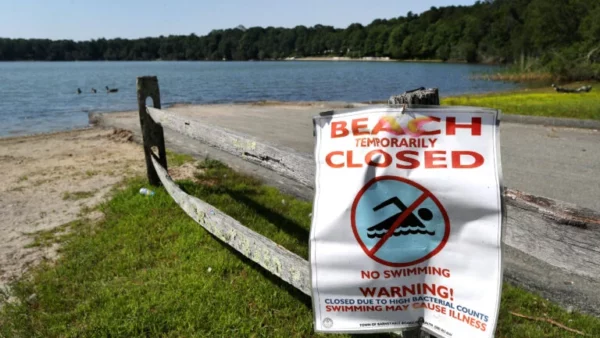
111 90
94 90
78 90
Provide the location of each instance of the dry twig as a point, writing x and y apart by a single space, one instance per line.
547 320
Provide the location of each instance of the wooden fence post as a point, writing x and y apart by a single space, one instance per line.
152 132
420 96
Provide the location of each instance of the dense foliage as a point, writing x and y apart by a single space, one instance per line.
560 35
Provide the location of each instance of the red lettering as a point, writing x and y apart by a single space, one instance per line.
356 126
382 126
475 126
329 161
383 292
338 129
430 159
432 132
403 156
387 158
443 292
409 290
456 159
430 288
368 292
396 273
351 164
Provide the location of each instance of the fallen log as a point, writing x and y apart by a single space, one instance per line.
582 89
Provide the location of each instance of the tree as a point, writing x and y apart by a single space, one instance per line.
555 35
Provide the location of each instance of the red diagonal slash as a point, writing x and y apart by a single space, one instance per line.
398 221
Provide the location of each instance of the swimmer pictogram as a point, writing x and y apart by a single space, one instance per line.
398 222
412 223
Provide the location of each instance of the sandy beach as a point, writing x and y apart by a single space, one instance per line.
52 179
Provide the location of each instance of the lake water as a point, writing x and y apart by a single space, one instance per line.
41 96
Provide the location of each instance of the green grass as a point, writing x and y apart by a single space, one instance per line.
46 238
147 269
77 195
538 102
175 159
525 303
91 173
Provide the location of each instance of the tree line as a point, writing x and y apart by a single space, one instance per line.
557 35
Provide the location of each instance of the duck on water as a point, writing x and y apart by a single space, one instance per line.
111 90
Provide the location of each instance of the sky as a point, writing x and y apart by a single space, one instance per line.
92 19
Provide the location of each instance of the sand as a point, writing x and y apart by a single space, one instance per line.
52 179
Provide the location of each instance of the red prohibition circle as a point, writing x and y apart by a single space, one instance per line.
426 192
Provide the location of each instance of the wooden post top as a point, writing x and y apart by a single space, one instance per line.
422 95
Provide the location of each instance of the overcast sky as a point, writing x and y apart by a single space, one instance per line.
91 19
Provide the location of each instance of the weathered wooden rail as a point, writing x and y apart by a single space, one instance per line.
555 232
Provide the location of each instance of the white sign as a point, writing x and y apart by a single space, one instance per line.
406 227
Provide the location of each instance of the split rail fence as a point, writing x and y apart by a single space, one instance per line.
555 232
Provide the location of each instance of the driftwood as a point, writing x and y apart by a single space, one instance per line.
582 89
284 264
558 233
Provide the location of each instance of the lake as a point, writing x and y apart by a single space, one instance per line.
41 96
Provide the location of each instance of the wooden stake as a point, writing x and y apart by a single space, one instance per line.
152 132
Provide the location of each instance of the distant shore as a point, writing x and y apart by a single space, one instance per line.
340 58
365 58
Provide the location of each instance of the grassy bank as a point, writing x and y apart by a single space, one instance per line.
147 269
516 76
537 102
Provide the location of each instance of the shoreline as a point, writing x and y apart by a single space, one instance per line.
515 118
526 118
373 59
307 58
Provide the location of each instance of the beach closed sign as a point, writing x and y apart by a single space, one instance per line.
407 220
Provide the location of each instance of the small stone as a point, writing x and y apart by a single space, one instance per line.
570 309
32 298
209 269
569 283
